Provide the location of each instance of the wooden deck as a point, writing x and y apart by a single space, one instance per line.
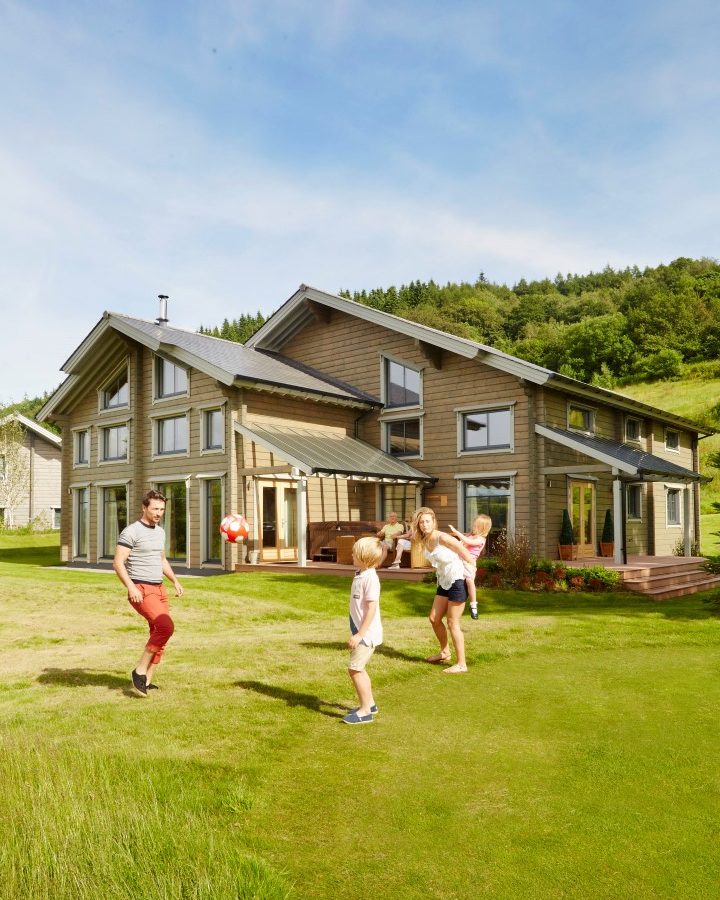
329 568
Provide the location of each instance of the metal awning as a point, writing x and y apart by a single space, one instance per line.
634 464
314 451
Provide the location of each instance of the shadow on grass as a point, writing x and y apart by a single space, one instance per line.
295 698
382 650
86 678
31 556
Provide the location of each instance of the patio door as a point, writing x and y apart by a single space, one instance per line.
278 521
582 513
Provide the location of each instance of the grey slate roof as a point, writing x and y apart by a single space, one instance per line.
630 460
240 362
317 452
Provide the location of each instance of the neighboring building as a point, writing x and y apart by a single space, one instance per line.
335 411
40 498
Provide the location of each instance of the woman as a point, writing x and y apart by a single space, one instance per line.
446 555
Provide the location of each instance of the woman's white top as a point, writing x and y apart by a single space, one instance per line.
447 564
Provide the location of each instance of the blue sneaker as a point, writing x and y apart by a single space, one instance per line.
352 718
373 709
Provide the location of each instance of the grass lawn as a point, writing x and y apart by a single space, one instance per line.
576 759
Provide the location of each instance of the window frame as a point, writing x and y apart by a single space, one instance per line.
387 424
118 373
205 446
103 429
157 427
103 552
463 411
76 433
676 448
637 489
75 542
627 438
56 511
386 362
592 412
487 476
158 379
205 478
677 492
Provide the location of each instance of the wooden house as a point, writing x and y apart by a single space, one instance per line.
334 413
39 499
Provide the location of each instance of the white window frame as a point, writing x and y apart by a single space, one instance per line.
204 410
53 510
485 476
677 434
113 410
385 359
628 516
76 432
156 425
203 478
157 358
462 411
118 460
627 438
589 409
676 489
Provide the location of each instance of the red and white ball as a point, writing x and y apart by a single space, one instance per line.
235 527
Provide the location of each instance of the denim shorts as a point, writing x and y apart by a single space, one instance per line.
456 593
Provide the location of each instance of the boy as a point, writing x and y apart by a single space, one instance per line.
365 625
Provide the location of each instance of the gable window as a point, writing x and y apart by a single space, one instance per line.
672 440
82 447
213 429
117 393
402 385
581 418
114 442
633 429
172 435
171 380
115 518
634 502
403 437
487 429
673 506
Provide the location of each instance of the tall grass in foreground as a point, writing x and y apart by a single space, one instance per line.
79 825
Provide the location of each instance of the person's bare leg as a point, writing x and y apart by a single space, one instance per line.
455 611
143 664
363 688
439 609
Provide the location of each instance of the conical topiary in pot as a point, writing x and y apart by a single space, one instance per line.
607 540
566 546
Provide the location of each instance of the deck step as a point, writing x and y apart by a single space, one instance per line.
664 582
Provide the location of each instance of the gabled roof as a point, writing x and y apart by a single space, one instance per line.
320 452
228 362
302 307
632 462
30 425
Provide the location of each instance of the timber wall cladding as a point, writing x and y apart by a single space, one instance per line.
352 350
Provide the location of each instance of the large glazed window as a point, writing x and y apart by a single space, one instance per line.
402 385
493 497
212 541
171 380
483 430
175 519
402 437
114 517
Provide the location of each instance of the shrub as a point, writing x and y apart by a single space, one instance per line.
679 548
566 531
608 532
513 555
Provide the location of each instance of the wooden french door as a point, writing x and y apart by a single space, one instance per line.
278 520
582 512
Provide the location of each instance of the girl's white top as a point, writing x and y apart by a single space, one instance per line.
447 564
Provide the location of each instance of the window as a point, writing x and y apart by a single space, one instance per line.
2 516
493 497
673 506
399 498
114 442
115 518
580 418
171 379
55 516
402 437
633 429
82 447
486 430
213 500
117 393
175 519
634 501
672 440
3 467
402 385
213 429
82 521
172 435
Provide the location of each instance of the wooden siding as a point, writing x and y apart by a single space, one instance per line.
44 460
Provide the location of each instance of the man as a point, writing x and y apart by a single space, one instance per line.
391 533
140 564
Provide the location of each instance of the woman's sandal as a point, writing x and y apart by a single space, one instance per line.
457 669
438 658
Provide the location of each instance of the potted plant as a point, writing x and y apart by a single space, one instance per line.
567 548
607 540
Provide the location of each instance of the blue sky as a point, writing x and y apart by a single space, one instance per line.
225 151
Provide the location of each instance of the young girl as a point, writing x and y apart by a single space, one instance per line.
475 543
446 555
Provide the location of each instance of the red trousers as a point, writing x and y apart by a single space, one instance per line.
156 609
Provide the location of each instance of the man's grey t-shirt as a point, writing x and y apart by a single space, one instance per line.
146 544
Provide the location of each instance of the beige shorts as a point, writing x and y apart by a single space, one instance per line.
360 656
